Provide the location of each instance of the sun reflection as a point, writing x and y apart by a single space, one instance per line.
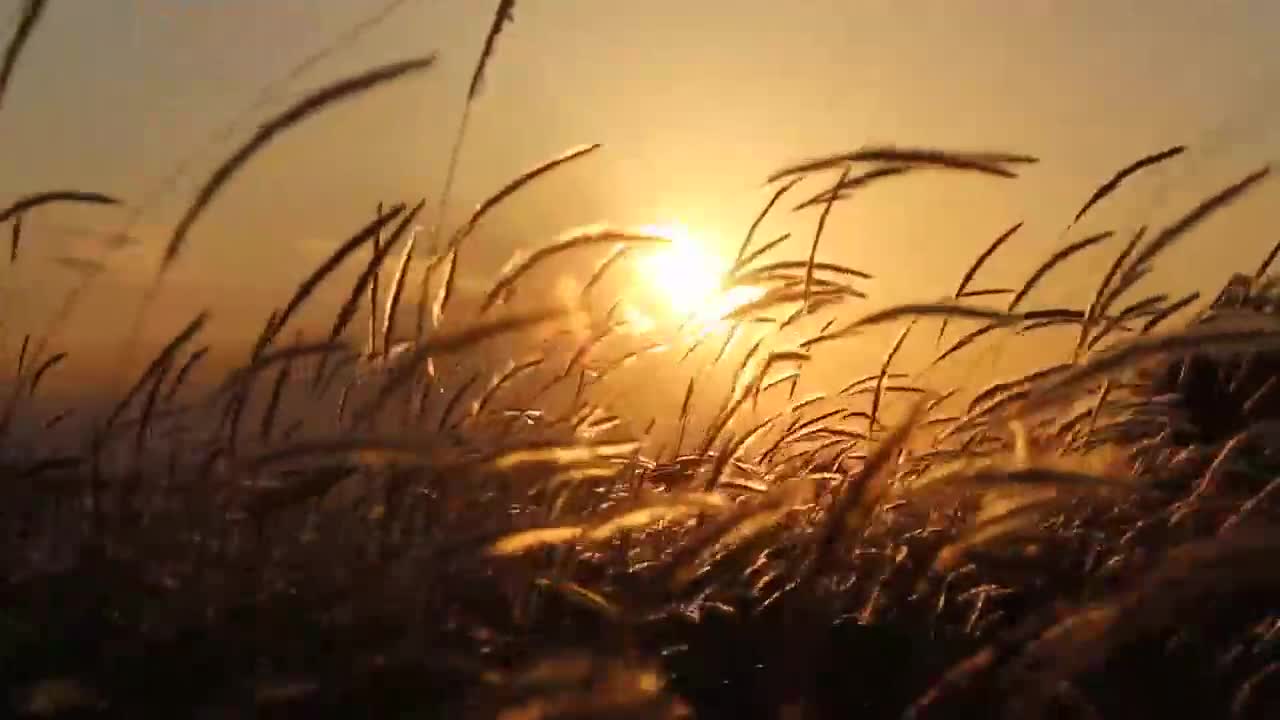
687 278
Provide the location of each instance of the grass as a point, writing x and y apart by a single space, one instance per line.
422 523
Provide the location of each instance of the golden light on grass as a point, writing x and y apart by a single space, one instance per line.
686 277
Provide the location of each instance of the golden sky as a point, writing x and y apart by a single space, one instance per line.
695 101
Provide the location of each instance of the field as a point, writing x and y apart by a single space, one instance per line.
436 503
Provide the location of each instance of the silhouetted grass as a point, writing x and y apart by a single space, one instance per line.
480 534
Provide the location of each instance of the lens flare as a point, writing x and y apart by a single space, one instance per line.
687 278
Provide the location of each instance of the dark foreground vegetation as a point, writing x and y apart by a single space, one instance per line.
325 533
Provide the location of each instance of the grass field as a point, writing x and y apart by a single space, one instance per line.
427 506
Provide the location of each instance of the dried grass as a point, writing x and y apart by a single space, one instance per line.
327 96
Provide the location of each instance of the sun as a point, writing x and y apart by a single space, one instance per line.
687 278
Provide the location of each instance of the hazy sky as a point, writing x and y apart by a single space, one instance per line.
694 100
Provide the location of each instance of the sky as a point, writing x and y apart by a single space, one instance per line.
694 101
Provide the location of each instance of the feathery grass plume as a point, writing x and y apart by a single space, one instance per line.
825 290
685 405
994 390
874 377
241 376
761 271
371 348
891 389
946 308
445 343
1104 392
744 263
1053 261
576 239
973 271
729 337
1263 390
778 380
803 403
502 15
778 297
619 253
561 454
584 349
1191 577
1247 508
678 508
394 293
83 267
988 163
44 368
234 414
1052 314
878 396
1194 217
745 384
326 268
149 407
511 188
299 488
1102 298
1111 185
967 672
35 200
800 430
15 238
162 358
490 203
185 371
22 354
343 396
1022 522
759 428
584 598
345 89
455 400
519 543
625 360
736 536
32 11
445 291
273 402
840 191
817 235
856 498
985 292
738 260
348 309
1144 347
505 379
1265 265
687 402
57 419
1049 323
1136 309
269 94
265 335
1210 482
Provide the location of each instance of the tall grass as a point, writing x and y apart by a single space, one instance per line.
482 532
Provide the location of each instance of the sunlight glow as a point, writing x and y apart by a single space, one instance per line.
686 277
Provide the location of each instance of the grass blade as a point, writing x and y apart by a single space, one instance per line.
329 95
